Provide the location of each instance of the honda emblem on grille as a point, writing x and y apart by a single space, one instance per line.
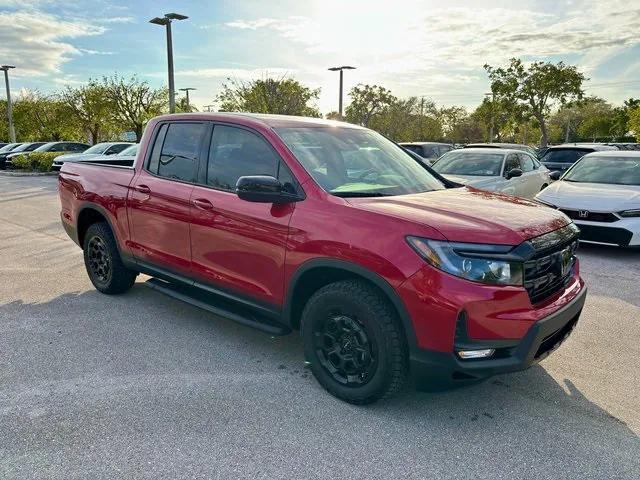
583 213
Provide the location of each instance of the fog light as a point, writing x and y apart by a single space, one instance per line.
467 354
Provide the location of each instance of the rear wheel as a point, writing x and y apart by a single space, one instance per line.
103 263
354 342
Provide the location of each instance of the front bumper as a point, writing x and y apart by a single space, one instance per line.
624 232
432 369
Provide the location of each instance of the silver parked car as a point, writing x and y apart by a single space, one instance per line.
123 157
98 150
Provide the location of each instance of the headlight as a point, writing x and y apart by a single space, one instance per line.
630 213
451 258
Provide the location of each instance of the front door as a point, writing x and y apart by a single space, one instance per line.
159 198
238 247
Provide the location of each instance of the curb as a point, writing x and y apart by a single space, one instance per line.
4 173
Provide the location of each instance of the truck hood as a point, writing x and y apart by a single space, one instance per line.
470 215
597 197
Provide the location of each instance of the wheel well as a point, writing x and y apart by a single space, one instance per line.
87 217
314 279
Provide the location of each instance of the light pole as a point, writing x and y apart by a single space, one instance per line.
341 69
166 21
186 91
12 130
493 101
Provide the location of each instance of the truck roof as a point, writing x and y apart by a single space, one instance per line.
262 119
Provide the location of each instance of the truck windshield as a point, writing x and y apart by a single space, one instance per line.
350 162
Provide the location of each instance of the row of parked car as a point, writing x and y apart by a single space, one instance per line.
596 185
119 153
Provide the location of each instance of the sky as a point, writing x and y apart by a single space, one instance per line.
425 48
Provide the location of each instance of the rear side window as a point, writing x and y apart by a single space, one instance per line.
235 153
414 148
430 151
176 151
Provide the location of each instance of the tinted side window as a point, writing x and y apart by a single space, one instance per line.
235 153
181 151
414 148
511 163
527 162
59 147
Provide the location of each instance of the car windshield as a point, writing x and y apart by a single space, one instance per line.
8 147
613 170
353 162
45 147
564 155
462 162
129 151
99 148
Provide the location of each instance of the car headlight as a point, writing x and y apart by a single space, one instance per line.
630 213
465 260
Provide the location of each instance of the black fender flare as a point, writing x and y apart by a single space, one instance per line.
358 270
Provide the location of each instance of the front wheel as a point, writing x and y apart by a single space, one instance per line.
103 263
354 342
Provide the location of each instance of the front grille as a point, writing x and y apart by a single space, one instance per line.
551 267
590 216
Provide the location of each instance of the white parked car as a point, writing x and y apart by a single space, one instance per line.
495 169
601 193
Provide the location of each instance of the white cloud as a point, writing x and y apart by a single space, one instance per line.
236 73
35 42
118 20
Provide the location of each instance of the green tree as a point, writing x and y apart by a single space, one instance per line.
91 107
537 86
367 101
619 127
634 122
284 96
134 102
45 118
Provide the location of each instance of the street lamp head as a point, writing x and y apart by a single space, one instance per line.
187 89
6 67
160 21
344 67
175 16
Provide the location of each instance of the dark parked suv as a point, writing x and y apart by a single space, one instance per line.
561 157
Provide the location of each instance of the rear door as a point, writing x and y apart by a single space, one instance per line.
238 247
159 198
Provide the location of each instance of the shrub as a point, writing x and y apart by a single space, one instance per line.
39 161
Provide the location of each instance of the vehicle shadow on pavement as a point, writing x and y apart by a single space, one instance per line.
143 333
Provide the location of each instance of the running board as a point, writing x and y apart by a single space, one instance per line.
218 306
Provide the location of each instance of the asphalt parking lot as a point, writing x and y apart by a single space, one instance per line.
143 386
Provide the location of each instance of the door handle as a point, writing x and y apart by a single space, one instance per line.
202 203
142 189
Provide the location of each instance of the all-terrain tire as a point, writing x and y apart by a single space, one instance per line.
375 320
102 260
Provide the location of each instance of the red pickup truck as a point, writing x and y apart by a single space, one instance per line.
284 223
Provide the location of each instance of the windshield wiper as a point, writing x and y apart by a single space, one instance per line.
361 194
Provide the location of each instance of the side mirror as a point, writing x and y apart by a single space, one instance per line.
516 172
263 189
555 175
